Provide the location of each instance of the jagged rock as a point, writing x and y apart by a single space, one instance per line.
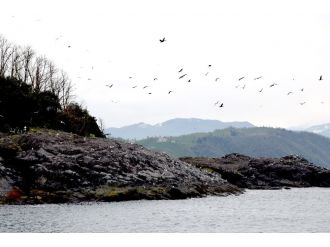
50 166
264 173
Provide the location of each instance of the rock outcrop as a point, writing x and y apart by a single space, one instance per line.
50 166
264 173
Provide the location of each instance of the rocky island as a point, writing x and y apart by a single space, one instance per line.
47 166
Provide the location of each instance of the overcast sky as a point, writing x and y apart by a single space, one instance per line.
285 42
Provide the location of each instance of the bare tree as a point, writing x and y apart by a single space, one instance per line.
5 54
28 55
16 65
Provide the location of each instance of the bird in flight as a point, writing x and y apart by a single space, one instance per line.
302 103
170 92
290 93
221 105
189 80
216 103
180 70
149 93
89 79
216 79
206 73
241 78
134 87
69 46
257 78
272 85
130 77
182 76
155 79
321 78
144 87
301 89
261 90
110 86
162 40
210 65
243 87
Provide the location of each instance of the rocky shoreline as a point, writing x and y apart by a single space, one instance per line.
265 173
48 166
55 167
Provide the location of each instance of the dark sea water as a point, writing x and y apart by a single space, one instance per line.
295 210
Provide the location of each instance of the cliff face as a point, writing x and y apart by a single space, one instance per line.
264 173
49 166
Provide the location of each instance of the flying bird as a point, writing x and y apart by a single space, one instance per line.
216 103
155 78
130 77
221 105
180 70
134 87
290 93
182 76
301 89
162 40
206 73
149 93
170 92
302 103
272 85
241 78
110 86
321 78
216 79
210 65
144 87
261 90
189 80
69 46
257 78
243 87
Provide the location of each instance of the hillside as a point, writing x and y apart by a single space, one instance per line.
322 129
173 127
256 142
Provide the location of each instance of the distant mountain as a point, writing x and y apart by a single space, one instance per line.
173 127
322 129
257 142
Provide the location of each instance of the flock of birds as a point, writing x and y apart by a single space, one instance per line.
184 76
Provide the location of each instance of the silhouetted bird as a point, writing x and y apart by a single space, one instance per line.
321 78
130 77
206 73
290 93
241 78
257 78
155 79
144 87
162 40
216 103
109 86
180 70
221 105
243 87
216 79
69 46
89 79
170 92
301 89
189 80
272 85
261 90
149 93
182 76
134 87
302 103
210 65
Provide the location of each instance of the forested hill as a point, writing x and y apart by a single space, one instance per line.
257 142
